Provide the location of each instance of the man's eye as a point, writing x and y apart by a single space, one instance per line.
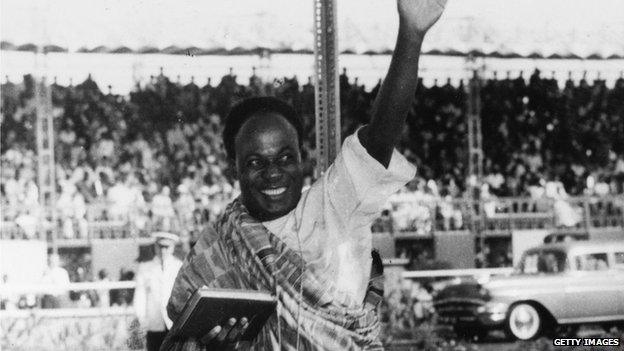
254 163
285 159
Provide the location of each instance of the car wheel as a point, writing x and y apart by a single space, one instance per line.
524 322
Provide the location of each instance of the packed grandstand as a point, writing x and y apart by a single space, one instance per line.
155 157
126 165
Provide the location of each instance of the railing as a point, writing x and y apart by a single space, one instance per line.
501 216
101 221
447 273
7 289
408 218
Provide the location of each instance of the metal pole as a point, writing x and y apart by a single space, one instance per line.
475 148
45 160
326 87
44 131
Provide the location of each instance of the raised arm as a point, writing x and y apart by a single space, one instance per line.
397 91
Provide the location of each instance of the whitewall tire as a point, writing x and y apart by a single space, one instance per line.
524 322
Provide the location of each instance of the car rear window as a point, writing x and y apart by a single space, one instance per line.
592 262
619 260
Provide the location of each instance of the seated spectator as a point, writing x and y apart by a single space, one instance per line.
28 221
566 215
489 201
185 205
120 200
162 208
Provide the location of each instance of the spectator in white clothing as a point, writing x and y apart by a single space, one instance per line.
154 281
162 208
56 276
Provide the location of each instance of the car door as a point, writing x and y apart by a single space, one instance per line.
591 293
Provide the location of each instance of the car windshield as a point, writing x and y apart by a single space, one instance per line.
544 261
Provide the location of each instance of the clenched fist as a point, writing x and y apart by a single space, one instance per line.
420 15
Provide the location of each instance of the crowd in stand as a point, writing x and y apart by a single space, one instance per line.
157 153
537 132
155 159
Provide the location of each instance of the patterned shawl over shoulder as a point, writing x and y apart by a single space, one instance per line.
311 314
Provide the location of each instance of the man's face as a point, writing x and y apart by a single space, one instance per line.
164 250
268 166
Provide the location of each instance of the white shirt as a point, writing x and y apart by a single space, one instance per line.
56 276
154 282
162 206
120 197
331 223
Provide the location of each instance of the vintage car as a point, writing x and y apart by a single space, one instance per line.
557 284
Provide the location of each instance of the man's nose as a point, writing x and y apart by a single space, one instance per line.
273 172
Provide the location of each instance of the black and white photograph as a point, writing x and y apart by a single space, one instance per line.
309 175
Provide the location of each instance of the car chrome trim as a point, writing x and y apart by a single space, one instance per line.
590 319
460 300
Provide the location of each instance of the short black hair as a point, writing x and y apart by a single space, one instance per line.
247 108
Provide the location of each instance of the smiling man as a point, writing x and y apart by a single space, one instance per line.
262 137
312 249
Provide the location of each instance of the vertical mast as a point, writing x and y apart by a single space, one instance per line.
326 87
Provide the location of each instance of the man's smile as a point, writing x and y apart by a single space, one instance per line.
274 192
269 166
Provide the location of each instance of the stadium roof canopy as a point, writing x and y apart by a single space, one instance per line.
519 28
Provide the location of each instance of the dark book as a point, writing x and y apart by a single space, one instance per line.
208 308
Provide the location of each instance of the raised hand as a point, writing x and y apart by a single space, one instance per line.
420 15
394 99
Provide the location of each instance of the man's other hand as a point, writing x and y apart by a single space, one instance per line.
419 15
225 337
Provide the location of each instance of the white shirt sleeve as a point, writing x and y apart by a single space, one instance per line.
358 185
331 224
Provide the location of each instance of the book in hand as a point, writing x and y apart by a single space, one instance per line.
208 308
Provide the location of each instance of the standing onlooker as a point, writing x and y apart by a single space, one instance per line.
56 276
103 294
154 282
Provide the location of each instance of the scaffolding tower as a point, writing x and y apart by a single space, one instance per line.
475 139
44 129
326 87
474 174
45 161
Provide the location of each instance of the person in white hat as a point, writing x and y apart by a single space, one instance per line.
154 281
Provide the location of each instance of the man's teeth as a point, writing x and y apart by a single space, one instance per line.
273 192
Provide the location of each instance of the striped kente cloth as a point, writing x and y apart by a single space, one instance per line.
240 253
